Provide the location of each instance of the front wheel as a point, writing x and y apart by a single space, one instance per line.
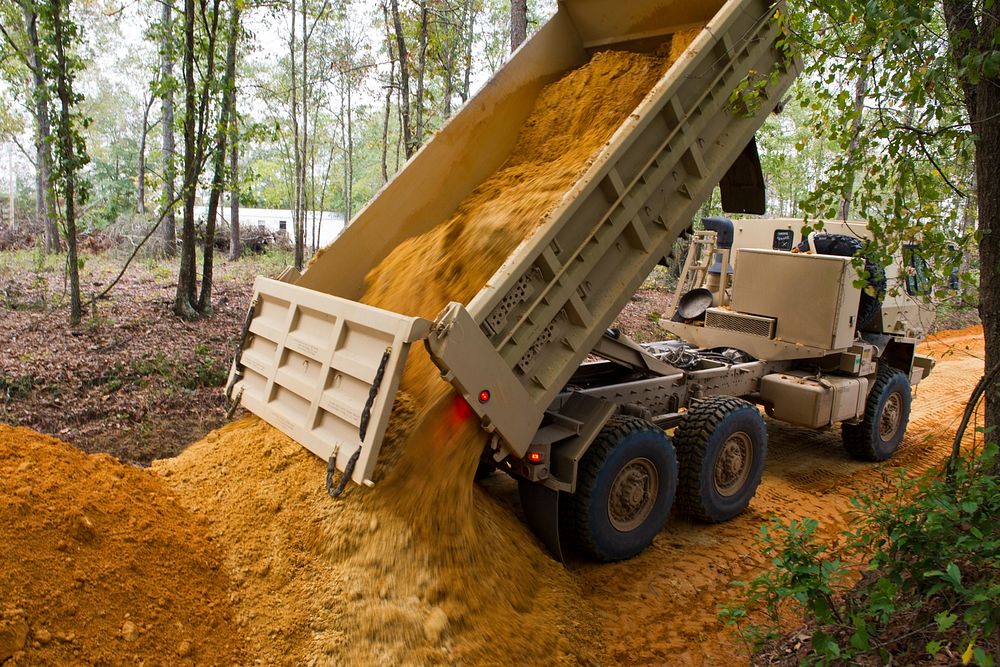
887 413
721 448
625 487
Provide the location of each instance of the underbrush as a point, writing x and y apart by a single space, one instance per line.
202 369
918 580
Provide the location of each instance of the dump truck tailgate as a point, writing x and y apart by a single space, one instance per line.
323 370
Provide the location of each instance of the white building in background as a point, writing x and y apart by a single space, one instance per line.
328 223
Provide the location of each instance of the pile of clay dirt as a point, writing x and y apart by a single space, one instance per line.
100 564
347 582
423 568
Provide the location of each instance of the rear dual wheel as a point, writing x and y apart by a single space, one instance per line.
626 484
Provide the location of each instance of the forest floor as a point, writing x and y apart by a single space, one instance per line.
133 380
137 382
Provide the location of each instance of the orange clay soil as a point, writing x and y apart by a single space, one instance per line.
99 563
422 568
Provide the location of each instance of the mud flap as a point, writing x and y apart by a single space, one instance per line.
742 188
541 509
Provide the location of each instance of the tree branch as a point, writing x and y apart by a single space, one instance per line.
13 45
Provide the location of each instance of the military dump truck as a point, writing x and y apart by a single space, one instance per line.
588 441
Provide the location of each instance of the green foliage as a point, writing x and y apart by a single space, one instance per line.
203 370
932 579
747 97
802 574
16 388
208 372
902 157
59 36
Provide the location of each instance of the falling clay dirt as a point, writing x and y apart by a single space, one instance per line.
422 568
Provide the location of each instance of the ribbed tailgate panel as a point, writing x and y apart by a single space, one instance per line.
310 362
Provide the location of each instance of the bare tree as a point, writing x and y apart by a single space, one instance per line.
222 131
235 242
169 224
409 145
140 195
45 205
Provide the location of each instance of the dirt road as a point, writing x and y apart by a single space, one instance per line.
661 607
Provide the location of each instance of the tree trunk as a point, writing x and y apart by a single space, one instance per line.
326 183
184 299
45 205
219 176
140 197
68 159
860 89
988 179
518 23
469 40
296 154
385 123
315 215
421 70
349 192
388 96
169 224
235 242
303 201
968 32
404 81
449 80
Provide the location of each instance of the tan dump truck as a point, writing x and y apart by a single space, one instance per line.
588 442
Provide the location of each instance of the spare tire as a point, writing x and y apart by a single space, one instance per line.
842 245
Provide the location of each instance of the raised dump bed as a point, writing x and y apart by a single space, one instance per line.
324 368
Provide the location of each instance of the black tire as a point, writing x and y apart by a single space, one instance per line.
842 245
721 450
887 413
634 461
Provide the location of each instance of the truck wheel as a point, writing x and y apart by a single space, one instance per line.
887 412
721 449
625 487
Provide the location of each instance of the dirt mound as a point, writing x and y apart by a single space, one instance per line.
351 583
423 568
101 563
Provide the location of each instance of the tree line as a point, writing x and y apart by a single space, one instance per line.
317 106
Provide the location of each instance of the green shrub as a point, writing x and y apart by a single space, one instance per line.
12 389
931 579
